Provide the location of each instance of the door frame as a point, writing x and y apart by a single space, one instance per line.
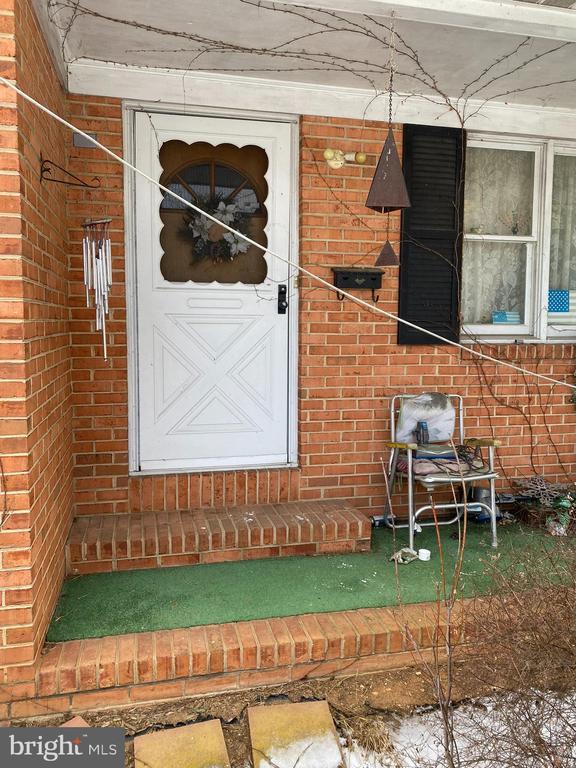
129 108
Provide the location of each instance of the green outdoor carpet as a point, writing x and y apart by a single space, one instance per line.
167 598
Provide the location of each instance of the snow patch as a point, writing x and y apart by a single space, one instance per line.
316 752
357 757
485 732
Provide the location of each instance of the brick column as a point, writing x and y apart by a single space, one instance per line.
35 407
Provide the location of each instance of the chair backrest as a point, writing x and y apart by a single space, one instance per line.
456 401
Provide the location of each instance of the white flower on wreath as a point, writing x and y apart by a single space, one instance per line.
237 244
199 226
226 213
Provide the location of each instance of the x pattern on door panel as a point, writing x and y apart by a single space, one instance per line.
214 335
244 369
215 412
176 373
252 373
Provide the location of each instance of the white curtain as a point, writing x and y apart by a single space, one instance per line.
493 280
499 195
499 192
563 241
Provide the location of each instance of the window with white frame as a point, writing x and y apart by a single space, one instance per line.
519 248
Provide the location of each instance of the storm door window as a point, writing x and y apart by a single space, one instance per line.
229 183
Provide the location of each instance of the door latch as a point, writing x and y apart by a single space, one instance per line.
282 299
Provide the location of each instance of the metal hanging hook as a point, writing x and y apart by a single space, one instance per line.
48 166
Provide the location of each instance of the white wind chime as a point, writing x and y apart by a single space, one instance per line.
98 270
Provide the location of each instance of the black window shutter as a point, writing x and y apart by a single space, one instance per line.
431 234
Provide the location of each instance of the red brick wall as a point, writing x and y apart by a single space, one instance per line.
99 389
14 534
349 360
345 350
35 405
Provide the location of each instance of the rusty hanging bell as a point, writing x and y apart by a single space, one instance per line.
387 256
388 190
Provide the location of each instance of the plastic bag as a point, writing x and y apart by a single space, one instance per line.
432 407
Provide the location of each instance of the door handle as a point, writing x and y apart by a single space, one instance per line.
282 299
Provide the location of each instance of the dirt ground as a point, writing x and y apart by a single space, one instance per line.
362 707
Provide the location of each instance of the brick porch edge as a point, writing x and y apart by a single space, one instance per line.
124 670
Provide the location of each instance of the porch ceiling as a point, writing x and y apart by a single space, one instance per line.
455 45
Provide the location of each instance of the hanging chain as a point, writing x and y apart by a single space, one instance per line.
391 67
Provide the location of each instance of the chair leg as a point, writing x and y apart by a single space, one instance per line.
493 525
391 480
411 510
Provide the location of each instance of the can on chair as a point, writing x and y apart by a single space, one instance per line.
422 436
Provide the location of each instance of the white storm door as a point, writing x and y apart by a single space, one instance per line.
213 379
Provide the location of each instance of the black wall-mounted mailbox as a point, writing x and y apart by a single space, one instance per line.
358 279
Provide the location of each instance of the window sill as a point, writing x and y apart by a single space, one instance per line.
517 341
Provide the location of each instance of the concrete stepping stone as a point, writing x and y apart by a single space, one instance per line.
286 735
200 745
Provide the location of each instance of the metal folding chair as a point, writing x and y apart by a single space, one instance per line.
430 482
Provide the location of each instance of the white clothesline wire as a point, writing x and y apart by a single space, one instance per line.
289 262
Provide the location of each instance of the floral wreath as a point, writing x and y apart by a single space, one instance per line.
210 239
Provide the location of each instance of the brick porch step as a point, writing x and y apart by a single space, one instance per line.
125 670
99 543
